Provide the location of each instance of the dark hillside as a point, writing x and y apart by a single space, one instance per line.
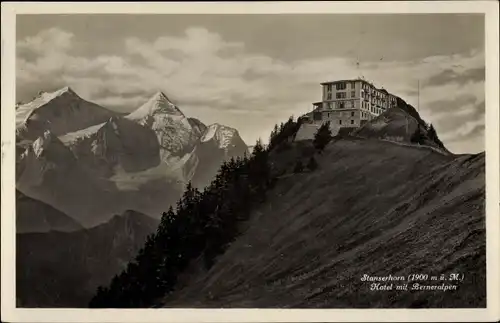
363 211
298 224
35 216
63 269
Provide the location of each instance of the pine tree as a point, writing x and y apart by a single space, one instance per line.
299 167
323 136
202 225
312 164
166 219
418 136
433 136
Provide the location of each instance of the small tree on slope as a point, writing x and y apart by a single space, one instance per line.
299 167
312 164
322 136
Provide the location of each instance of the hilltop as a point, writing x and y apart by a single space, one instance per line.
400 123
268 233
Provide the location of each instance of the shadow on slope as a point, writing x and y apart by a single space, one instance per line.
372 207
35 216
63 269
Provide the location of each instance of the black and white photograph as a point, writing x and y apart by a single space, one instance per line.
212 160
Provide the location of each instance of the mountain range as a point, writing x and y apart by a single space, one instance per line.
90 162
385 198
63 269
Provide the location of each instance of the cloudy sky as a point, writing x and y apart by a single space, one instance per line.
252 71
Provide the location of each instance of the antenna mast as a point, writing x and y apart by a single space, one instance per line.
418 95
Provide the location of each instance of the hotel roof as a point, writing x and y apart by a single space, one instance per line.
355 80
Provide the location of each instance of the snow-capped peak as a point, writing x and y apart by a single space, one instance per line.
161 96
66 89
159 103
24 111
220 133
42 143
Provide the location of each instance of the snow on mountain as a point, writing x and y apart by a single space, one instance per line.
117 141
198 127
140 161
226 137
24 111
218 143
39 157
60 112
48 171
174 131
74 137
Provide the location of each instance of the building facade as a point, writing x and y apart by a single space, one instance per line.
350 103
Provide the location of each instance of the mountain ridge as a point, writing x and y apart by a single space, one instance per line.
60 112
35 216
62 269
135 158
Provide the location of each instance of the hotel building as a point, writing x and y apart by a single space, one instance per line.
350 103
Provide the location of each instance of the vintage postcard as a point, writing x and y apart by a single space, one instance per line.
256 162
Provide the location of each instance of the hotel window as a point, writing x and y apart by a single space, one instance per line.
352 121
352 114
353 85
341 86
340 121
341 95
329 96
353 94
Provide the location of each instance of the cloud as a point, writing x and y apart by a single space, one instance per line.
198 42
467 129
50 40
451 76
445 107
221 81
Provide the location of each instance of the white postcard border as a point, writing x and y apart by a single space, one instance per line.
492 144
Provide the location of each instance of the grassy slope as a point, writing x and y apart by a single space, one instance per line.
363 211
